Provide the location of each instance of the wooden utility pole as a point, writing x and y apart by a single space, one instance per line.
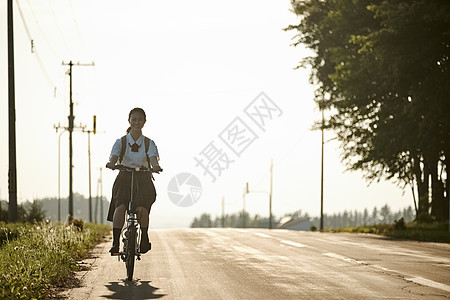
321 174
243 207
94 131
12 173
223 212
270 194
71 126
101 197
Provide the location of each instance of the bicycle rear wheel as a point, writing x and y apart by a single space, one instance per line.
131 253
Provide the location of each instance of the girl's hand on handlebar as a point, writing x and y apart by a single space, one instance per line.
157 169
112 162
110 165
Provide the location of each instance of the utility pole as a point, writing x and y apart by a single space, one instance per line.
12 174
321 174
59 169
89 159
96 202
243 209
99 195
223 212
270 194
71 126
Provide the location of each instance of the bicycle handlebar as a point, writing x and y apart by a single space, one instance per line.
137 169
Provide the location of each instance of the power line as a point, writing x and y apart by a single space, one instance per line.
77 28
58 27
279 161
33 48
44 36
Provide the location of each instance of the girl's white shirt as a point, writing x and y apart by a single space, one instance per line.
135 159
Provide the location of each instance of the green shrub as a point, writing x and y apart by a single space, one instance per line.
42 255
400 224
428 232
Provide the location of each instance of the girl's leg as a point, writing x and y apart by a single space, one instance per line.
119 216
143 217
118 221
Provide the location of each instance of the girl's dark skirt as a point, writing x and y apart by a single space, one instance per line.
144 192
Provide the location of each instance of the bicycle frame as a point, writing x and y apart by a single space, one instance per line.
131 232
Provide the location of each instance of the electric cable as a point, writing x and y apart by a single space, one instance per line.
83 46
33 48
44 36
59 28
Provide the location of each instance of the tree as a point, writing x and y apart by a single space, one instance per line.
203 221
365 218
35 212
391 103
385 214
374 216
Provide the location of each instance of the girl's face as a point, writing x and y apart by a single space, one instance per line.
136 121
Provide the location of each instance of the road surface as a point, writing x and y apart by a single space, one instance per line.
270 264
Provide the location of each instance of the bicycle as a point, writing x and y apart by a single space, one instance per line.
131 232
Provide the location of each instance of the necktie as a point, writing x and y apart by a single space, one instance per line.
135 147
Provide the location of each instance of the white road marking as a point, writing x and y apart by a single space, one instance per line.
430 283
418 280
245 249
293 244
263 235
334 255
396 251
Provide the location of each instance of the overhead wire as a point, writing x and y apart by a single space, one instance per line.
283 158
33 48
44 36
83 46
59 28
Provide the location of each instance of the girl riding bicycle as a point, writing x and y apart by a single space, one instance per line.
134 155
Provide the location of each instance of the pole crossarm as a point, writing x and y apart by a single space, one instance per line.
78 64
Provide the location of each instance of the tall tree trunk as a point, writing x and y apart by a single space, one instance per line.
437 189
422 189
447 188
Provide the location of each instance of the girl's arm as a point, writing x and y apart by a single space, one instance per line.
112 161
154 163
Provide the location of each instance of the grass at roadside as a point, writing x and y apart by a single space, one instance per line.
35 257
411 231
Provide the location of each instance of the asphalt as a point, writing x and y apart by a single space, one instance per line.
270 264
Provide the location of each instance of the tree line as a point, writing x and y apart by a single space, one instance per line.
26 212
347 218
383 215
381 68
47 208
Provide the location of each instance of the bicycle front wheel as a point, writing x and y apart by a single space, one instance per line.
131 252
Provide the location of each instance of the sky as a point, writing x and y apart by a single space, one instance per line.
198 68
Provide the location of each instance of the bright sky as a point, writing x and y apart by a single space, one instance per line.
193 66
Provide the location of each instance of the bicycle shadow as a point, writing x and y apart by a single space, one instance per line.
136 289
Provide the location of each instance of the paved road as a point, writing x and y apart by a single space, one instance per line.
275 264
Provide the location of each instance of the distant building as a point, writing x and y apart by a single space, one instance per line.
303 224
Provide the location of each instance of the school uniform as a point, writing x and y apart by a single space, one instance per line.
134 156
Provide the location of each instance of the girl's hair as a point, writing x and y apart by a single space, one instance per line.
136 110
